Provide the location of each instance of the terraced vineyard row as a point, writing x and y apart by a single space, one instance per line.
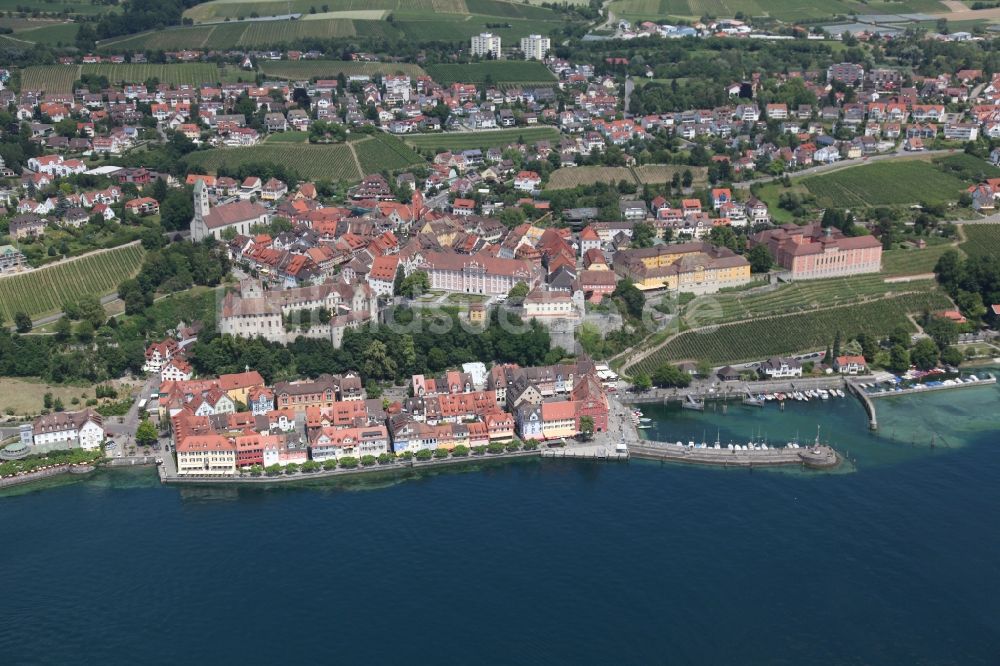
796 297
758 339
982 240
46 290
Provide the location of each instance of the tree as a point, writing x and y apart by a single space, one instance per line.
273 470
145 434
760 259
424 454
368 460
925 354
414 284
64 328
670 376
377 361
518 291
22 322
899 359
587 427
899 337
642 382
951 356
643 235
311 466
630 295
460 451
348 462
441 453
943 331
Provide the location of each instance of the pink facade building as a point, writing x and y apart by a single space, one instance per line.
810 251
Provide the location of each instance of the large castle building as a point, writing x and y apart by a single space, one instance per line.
284 315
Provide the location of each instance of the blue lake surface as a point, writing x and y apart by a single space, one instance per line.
892 560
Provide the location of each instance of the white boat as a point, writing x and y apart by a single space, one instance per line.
645 419
644 427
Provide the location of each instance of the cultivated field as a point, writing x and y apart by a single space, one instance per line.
786 10
793 298
982 240
42 31
570 177
50 78
26 396
55 6
236 34
329 69
497 71
184 73
761 338
912 261
45 290
320 162
647 174
657 174
383 152
483 140
884 183
222 9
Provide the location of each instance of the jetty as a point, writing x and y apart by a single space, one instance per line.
866 403
818 456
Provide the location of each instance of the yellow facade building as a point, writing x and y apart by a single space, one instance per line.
700 267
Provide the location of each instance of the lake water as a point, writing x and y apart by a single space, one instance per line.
892 560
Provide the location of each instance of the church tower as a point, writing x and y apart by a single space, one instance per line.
198 227
200 198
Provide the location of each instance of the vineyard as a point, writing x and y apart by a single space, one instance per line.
497 71
45 290
982 240
179 74
327 162
885 184
483 140
221 9
912 262
785 10
384 152
329 69
50 78
656 174
761 338
647 174
793 298
570 177
320 162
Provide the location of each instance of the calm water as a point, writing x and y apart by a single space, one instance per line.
893 562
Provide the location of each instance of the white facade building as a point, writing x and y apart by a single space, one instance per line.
535 47
83 429
486 43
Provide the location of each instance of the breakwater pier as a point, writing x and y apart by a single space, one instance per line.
819 456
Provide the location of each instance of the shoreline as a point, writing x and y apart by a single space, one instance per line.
335 473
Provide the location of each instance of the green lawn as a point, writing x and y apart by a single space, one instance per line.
287 137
